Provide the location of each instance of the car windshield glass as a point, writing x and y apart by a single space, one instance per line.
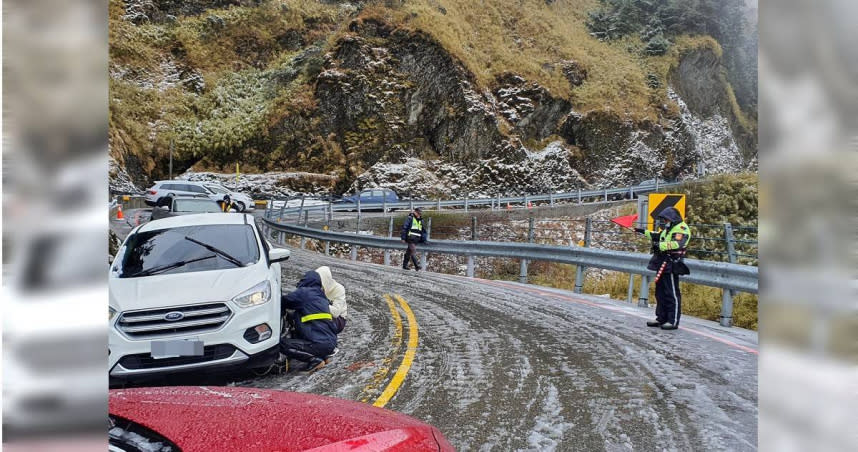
195 205
150 250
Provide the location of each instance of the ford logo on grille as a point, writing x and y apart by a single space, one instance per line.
173 316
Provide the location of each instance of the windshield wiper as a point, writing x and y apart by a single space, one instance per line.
220 253
163 268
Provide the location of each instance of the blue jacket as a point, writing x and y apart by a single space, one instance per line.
308 299
406 228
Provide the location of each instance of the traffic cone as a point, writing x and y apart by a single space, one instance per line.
119 215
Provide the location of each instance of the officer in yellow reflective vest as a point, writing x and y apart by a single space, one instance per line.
667 261
315 334
413 233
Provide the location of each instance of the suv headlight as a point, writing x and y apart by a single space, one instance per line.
112 313
256 295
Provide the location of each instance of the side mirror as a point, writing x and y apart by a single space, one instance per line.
278 255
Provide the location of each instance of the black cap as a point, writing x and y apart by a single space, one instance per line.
418 210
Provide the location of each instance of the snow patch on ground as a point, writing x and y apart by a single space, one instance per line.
548 429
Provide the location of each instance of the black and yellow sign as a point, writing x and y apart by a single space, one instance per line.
659 201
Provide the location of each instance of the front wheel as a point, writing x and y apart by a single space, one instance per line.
240 206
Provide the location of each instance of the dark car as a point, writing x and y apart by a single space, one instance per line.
372 196
185 205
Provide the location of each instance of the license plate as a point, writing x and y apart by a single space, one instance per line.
175 348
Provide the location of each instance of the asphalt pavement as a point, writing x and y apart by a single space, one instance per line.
503 366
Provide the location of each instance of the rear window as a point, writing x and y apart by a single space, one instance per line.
150 250
195 205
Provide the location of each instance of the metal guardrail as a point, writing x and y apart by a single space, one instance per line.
726 276
466 202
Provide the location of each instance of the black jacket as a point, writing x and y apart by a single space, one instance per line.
406 227
309 298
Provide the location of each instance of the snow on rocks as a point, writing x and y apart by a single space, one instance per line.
714 144
272 184
544 171
118 179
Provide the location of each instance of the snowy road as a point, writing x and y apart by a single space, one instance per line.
501 366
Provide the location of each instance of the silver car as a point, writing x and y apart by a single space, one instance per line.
160 193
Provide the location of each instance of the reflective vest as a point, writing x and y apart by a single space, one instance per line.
677 237
416 227
318 316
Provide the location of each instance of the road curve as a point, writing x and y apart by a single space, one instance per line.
502 366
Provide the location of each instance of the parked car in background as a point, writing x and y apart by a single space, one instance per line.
238 419
158 194
186 205
372 196
191 293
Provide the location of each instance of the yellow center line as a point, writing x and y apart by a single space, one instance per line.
381 374
410 352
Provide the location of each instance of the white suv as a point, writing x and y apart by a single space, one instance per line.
159 194
193 292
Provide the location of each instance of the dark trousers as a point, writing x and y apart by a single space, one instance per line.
668 307
304 350
410 253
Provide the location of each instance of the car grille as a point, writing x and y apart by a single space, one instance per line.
146 361
194 319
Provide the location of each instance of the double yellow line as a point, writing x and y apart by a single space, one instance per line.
410 351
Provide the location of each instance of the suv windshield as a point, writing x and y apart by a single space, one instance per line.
180 247
217 189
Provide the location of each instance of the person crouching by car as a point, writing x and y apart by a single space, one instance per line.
315 334
336 294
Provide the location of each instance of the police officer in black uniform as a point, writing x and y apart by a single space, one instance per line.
668 247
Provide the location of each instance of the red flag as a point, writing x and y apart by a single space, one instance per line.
627 221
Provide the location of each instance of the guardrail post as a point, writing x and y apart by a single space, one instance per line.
470 271
384 206
726 294
522 277
466 203
280 217
643 295
389 234
357 228
579 271
606 195
439 205
327 242
631 288
330 212
579 196
551 199
428 236
306 218
656 183
281 238
498 201
411 205
354 252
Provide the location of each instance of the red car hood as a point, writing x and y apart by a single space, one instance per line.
240 419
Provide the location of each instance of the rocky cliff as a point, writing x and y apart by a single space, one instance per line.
366 94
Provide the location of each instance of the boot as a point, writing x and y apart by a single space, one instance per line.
669 326
315 364
654 323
